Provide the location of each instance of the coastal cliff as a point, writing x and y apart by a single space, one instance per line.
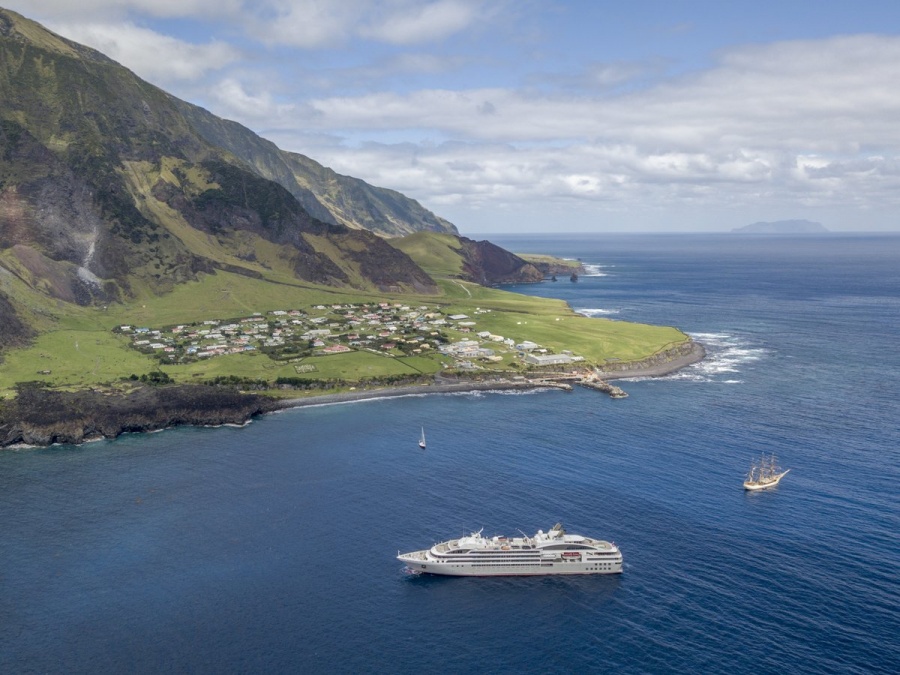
40 416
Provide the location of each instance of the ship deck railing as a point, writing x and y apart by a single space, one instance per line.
417 555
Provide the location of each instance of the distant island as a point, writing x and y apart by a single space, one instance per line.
782 227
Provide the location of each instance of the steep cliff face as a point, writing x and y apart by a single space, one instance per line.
562 267
263 157
323 193
357 204
53 224
455 257
488 264
39 416
106 182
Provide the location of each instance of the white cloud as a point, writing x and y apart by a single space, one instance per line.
302 23
307 24
809 122
60 10
311 24
413 23
233 101
155 57
794 122
835 103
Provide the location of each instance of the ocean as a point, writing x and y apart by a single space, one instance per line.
270 548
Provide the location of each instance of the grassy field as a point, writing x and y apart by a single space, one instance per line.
363 364
350 366
596 339
553 324
74 359
436 253
553 260
79 348
223 295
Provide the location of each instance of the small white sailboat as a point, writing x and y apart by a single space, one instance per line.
422 439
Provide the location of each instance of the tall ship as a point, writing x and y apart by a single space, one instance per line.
553 552
764 473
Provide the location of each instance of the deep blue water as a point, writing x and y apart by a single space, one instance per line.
271 548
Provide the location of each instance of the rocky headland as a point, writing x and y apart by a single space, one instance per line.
40 416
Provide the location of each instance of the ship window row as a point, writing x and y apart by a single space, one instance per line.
496 560
496 556
513 553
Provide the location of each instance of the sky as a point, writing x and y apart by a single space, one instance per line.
533 116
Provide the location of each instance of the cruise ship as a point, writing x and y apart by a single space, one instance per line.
553 552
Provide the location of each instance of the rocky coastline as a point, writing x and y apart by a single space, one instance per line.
41 417
665 362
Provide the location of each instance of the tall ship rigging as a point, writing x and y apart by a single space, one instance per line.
764 473
553 552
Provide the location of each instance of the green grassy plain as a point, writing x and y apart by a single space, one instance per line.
79 348
74 359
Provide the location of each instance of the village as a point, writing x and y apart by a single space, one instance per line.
389 329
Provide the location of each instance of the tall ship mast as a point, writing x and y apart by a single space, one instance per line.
764 473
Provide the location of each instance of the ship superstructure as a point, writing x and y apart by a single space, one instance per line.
552 552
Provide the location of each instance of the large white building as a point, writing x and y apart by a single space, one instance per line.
547 359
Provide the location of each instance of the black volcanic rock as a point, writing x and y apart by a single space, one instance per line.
39 416
488 264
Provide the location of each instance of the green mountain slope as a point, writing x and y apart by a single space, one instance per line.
325 194
109 191
355 203
448 256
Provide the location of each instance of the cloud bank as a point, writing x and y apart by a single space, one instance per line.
374 89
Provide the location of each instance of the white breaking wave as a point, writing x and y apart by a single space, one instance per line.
594 270
597 312
481 393
726 355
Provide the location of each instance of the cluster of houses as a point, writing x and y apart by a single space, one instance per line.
388 328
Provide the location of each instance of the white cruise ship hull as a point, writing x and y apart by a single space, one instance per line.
553 552
420 566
